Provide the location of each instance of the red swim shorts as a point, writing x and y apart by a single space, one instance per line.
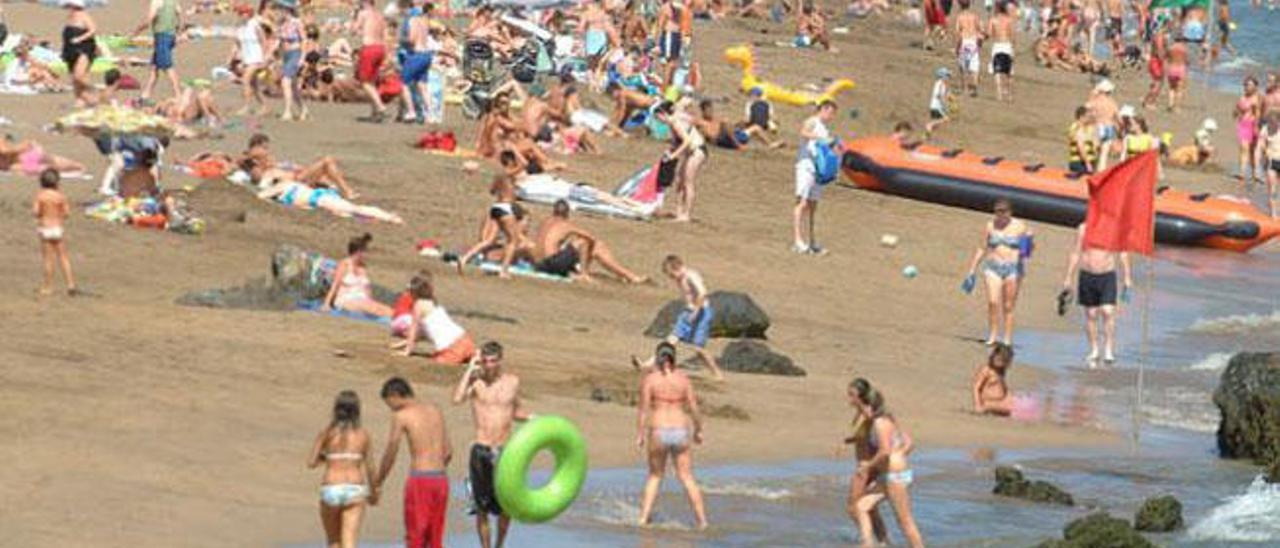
370 63
1155 67
426 501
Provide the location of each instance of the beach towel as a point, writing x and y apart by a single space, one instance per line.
641 187
521 269
315 306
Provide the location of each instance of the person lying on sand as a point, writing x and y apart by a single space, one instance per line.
30 158
258 161
191 106
991 393
303 196
723 134
564 249
418 316
26 71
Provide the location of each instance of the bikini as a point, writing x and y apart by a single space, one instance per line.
903 477
1002 269
352 287
337 495
672 438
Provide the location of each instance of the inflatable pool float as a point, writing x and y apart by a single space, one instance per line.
742 55
563 439
962 179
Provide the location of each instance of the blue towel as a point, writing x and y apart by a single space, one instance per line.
314 306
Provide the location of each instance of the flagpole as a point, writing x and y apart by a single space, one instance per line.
1144 346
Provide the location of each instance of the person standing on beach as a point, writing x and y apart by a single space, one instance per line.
1247 114
889 446
667 430
1097 292
1155 65
1001 29
372 26
1176 73
1115 27
292 42
343 447
426 492
808 190
1269 146
693 325
939 102
51 209
1082 143
495 406
1105 113
1001 255
969 38
164 17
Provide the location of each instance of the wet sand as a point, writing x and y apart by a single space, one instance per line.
131 420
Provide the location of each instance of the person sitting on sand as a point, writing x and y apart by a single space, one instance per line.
428 319
263 167
51 209
1199 152
564 246
723 134
351 290
345 450
30 158
693 324
991 393
669 425
627 103
502 212
890 446
811 28
305 196
758 118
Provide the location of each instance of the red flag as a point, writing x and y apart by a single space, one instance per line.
1122 207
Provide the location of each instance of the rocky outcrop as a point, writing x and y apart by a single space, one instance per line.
1248 397
1100 529
737 316
296 275
1159 515
755 357
1011 483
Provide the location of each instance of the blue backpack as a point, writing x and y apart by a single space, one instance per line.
826 162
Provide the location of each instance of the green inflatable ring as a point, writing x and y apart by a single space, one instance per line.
564 440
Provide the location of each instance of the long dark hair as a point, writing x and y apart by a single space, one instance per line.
359 243
665 357
346 411
868 395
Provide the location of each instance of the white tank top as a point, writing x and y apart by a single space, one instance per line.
441 329
250 48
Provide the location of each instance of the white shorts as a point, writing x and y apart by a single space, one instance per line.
50 233
807 186
970 57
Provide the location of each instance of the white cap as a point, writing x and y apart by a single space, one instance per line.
73 4
1128 111
1210 124
1105 86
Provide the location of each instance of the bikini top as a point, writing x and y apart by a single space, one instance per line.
343 456
873 441
997 240
354 282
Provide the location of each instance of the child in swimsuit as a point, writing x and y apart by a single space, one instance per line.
51 209
990 391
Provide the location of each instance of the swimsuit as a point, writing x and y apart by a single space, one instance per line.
595 42
426 499
1247 125
563 263
1096 290
1002 58
49 233
904 477
970 55
289 196
73 51
318 194
370 62
693 328
1193 31
352 287
484 460
672 439
501 209
338 495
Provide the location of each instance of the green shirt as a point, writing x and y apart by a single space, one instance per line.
166 17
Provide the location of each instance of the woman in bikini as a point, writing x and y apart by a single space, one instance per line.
668 431
343 448
503 213
1247 113
1006 241
351 289
890 447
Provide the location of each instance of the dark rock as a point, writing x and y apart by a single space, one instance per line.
600 395
1248 397
756 357
1159 515
1100 530
737 316
1273 472
1011 483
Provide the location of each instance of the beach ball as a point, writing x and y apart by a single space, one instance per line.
910 271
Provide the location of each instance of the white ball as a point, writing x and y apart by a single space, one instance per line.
910 271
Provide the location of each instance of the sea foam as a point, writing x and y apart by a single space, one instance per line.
1240 323
1248 517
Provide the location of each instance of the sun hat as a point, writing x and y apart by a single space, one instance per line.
1128 111
1104 86
79 4
1210 124
943 72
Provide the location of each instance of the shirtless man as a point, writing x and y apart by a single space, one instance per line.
1097 292
426 492
693 325
1001 30
495 405
263 168
372 26
562 245
51 209
1115 27
1105 112
969 37
417 63
1176 73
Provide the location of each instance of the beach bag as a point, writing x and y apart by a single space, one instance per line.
826 162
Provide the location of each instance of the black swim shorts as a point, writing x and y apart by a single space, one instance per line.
1097 290
563 263
484 499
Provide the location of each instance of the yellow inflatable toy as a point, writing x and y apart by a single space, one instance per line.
742 55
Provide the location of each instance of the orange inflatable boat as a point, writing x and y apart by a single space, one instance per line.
962 179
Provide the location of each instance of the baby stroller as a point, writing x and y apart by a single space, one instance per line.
480 68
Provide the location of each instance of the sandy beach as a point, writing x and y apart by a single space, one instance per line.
130 420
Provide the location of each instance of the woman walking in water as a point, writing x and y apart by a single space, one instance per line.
889 446
351 289
343 449
667 430
1005 243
